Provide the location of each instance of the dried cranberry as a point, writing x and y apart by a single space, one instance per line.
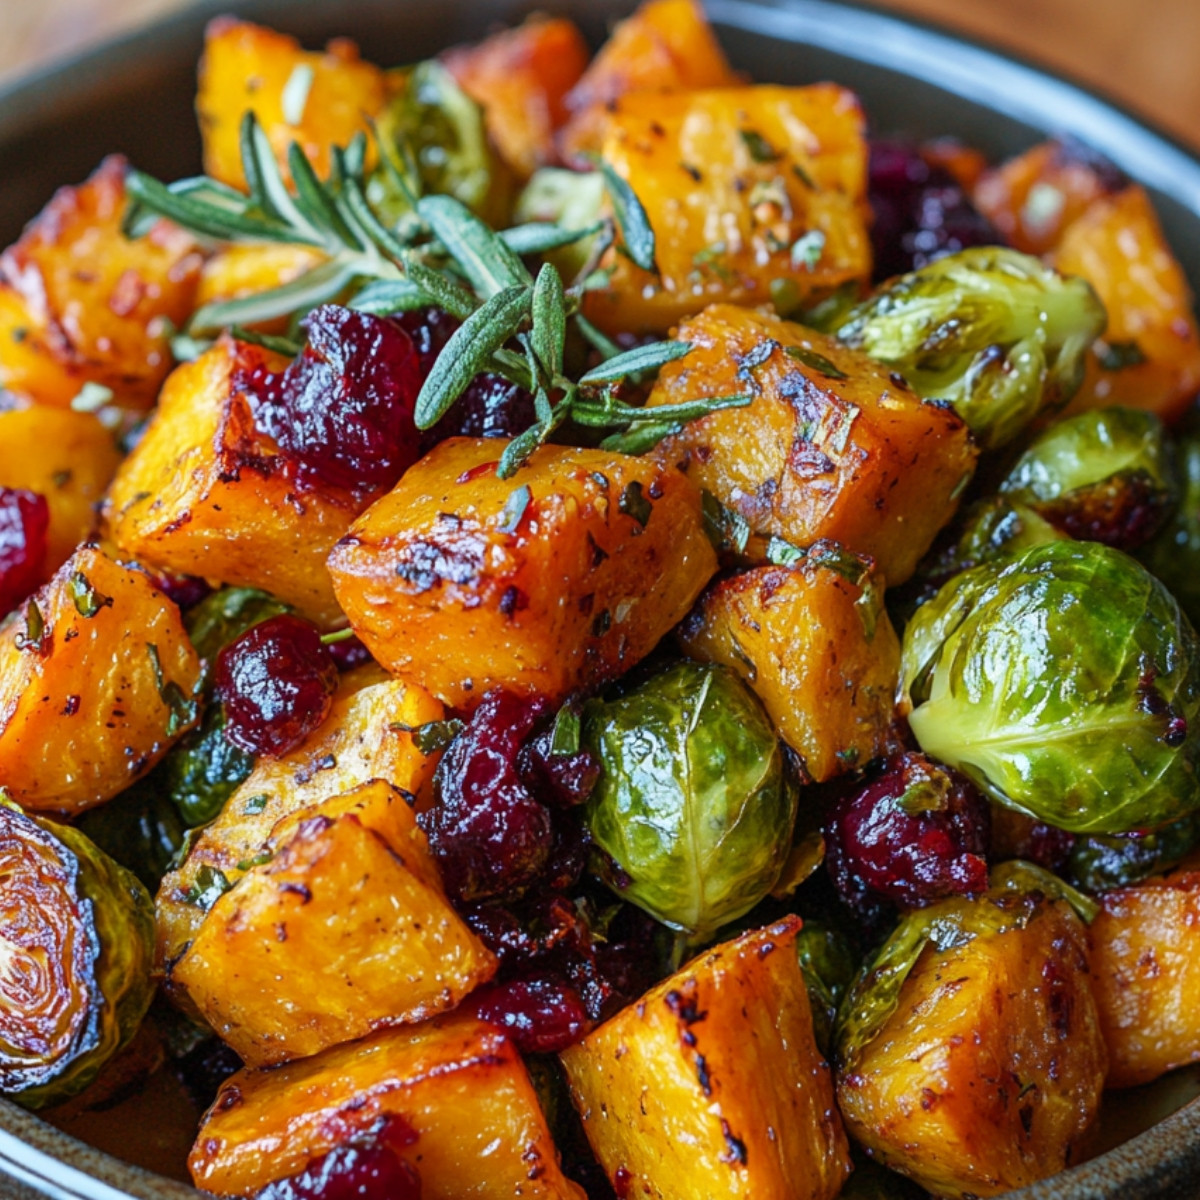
1015 835
913 833
342 410
276 682
349 653
366 1168
204 1068
562 780
24 521
542 1015
921 212
489 833
185 591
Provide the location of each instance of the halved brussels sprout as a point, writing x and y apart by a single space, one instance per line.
1101 476
695 806
1065 684
1174 554
572 199
1098 863
77 932
829 966
994 332
141 829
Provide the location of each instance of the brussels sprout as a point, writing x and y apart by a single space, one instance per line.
227 614
1174 554
141 829
1098 863
204 769
1101 476
1016 893
1065 684
78 938
695 806
829 967
992 331
572 199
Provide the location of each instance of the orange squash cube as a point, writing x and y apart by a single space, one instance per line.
712 1084
80 303
97 679
317 99
756 195
458 1083
206 493
832 446
245 270
344 929
520 78
561 577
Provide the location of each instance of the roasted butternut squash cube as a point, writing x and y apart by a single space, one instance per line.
316 99
992 1064
97 679
561 577
207 493
817 648
457 1082
756 195
1150 354
68 457
366 736
1146 960
342 930
832 446
81 303
245 270
520 78
665 46
712 1085
1033 198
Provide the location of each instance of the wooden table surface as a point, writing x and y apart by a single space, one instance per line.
1144 52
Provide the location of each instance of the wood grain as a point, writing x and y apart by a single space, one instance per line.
1143 52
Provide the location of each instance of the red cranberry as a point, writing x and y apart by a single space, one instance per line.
24 521
185 591
277 682
542 1015
920 211
349 653
343 409
490 835
563 780
367 1168
913 833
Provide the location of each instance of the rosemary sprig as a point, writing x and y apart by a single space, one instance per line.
439 255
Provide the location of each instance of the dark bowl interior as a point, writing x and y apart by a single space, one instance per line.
135 96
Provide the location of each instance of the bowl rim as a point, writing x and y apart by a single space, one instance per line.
37 1159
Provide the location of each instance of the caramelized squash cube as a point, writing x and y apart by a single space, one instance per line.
316 99
81 303
1146 960
236 271
712 1085
366 736
832 446
97 679
558 578
344 929
756 195
68 457
206 493
459 1083
520 78
665 46
1150 354
820 653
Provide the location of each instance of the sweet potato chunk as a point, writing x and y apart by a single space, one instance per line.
520 78
344 929
832 447
458 1082
364 737
561 577
755 194
206 493
69 458
1146 959
1150 354
821 655
245 270
666 46
992 1064
319 100
97 679
712 1084
80 303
